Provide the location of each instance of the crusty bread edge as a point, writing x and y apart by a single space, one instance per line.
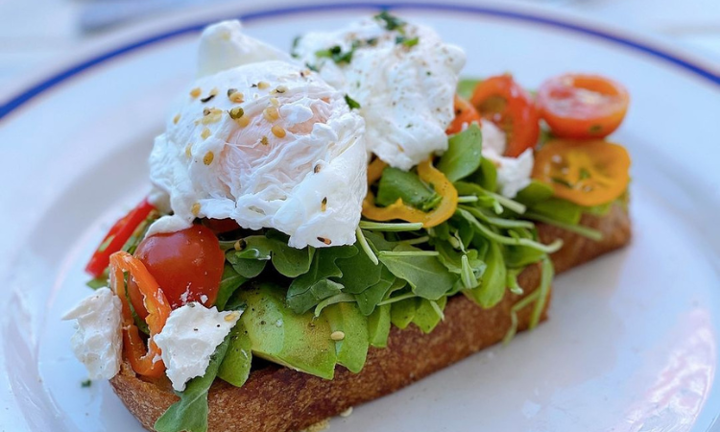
277 399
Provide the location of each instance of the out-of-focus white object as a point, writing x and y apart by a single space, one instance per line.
513 174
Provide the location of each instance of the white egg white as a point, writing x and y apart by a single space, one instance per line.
405 90
294 161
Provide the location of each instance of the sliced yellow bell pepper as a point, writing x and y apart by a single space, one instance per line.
402 211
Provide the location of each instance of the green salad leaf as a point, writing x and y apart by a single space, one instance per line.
306 291
352 343
424 272
406 185
190 413
466 86
235 367
464 154
229 284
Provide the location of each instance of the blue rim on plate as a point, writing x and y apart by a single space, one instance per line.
30 93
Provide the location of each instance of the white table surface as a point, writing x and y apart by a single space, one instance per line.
35 34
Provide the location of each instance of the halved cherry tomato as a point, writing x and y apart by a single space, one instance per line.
187 264
465 113
399 210
502 101
117 236
588 173
221 226
578 106
144 360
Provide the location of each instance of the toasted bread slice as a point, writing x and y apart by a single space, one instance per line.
278 399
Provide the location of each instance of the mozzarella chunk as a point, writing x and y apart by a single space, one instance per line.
405 91
513 174
190 336
293 159
224 46
97 341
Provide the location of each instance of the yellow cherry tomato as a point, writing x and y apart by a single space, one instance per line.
587 173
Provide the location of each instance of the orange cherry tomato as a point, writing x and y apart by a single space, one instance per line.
145 360
578 106
588 173
465 113
502 101
187 264
399 210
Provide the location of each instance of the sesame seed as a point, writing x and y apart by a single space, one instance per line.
262 85
231 316
176 119
195 209
243 121
237 97
209 156
275 101
195 92
325 240
231 91
323 205
240 245
281 89
211 115
271 114
337 335
236 113
278 131
205 133
264 140
347 412
316 169
188 150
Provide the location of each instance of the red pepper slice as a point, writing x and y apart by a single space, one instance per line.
117 237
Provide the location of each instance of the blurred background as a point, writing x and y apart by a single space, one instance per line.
36 34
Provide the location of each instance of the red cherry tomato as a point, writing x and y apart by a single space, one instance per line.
188 266
221 226
465 113
578 106
502 101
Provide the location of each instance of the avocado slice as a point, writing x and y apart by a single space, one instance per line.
379 326
278 334
353 347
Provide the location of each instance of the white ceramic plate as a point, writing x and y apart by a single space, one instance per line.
632 344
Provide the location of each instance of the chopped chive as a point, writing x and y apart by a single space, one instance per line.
391 227
365 246
352 103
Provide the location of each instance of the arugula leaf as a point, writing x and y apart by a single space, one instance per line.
190 413
379 326
427 316
534 193
235 367
101 281
492 286
464 154
396 183
289 261
358 273
403 312
559 210
521 256
368 299
258 249
229 283
314 286
426 275
485 176
246 267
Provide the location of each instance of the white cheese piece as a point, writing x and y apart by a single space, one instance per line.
296 161
189 338
405 92
224 46
97 341
513 174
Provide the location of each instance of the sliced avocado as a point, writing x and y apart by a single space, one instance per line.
235 367
300 342
353 347
403 312
379 326
426 317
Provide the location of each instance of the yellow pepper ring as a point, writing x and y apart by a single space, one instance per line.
402 211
